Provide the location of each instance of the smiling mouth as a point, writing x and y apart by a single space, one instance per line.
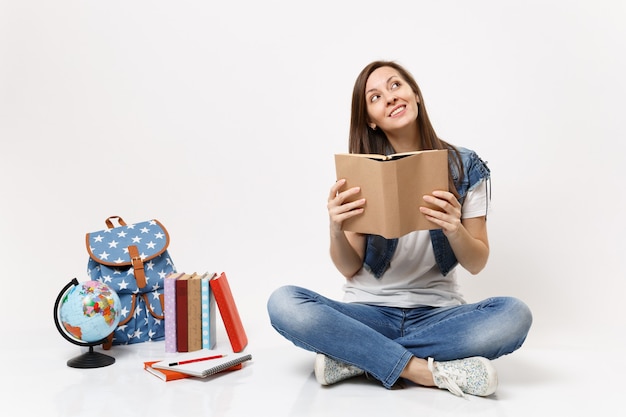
396 111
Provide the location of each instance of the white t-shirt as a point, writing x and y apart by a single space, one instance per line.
413 278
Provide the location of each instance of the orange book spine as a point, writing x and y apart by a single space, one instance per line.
229 312
164 374
169 375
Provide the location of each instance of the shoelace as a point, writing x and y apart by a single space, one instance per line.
448 378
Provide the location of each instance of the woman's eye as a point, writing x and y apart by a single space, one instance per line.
374 97
395 85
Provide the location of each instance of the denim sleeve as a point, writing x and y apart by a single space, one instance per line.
475 170
378 254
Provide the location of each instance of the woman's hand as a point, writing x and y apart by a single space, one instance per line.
338 209
468 238
450 218
347 249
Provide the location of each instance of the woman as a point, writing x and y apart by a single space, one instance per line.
402 316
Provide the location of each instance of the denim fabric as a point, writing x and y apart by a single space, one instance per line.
379 250
381 340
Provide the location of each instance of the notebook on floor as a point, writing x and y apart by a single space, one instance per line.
203 363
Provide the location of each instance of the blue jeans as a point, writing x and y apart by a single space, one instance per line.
381 340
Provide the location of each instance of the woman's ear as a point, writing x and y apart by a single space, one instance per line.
373 126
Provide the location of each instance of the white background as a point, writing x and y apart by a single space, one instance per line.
220 119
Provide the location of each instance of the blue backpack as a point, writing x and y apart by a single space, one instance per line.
133 260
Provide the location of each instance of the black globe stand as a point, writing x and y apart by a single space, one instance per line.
89 359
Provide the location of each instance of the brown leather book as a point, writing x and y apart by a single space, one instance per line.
194 321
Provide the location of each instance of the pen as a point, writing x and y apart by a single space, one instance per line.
196 360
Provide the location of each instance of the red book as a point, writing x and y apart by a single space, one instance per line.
229 312
182 332
164 374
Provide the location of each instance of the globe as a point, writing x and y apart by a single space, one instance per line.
86 314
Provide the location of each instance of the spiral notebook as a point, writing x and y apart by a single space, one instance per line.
203 363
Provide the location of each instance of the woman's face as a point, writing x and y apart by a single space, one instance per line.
391 103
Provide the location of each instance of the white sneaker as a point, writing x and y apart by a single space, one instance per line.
475 376
329 371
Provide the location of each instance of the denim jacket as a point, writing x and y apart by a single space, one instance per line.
379 250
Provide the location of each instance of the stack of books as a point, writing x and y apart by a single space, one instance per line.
190 314
190 301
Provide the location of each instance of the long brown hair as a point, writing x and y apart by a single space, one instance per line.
364 139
